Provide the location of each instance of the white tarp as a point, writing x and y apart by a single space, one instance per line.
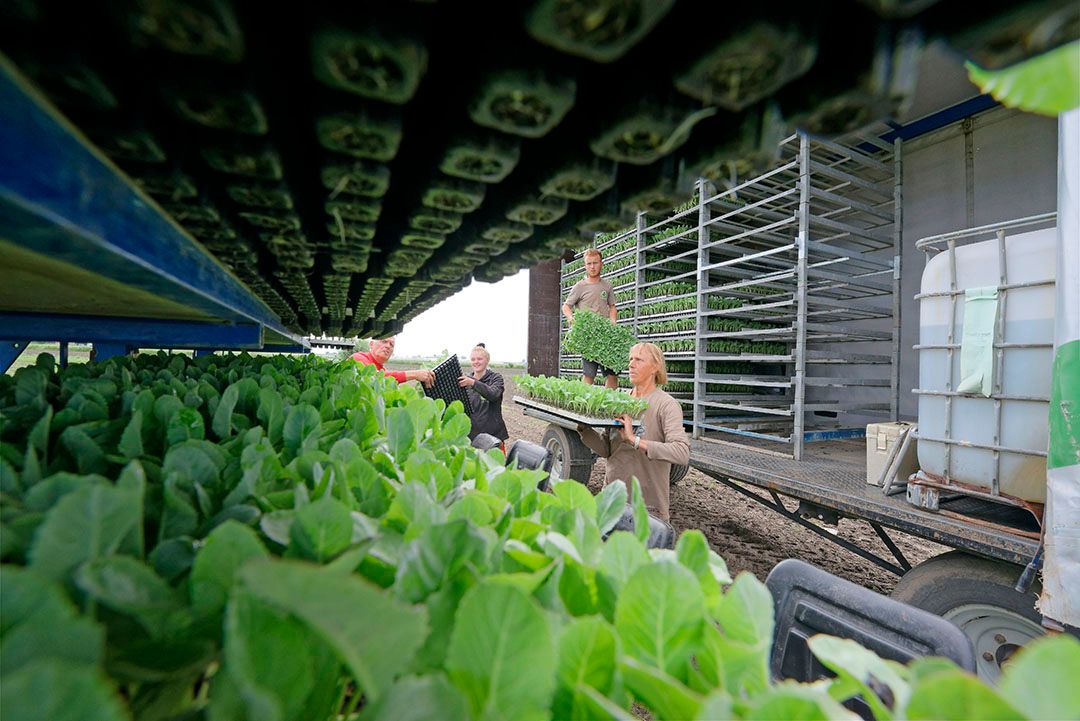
1061 561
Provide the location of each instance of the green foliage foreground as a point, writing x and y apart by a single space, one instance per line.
241 538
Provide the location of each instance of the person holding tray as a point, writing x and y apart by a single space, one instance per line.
596 294
649 451
380 351
485 390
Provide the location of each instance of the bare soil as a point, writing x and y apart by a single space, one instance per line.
749 536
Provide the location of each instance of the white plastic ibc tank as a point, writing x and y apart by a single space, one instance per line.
1029 318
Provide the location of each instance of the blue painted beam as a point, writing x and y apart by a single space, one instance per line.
10 350
135 332
105 351
62 199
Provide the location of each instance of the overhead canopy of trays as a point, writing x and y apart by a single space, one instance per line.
354 164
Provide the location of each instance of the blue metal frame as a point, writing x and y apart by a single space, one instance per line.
62 199
135 332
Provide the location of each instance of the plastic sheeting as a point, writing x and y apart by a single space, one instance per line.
1060 599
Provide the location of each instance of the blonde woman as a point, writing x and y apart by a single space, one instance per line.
485 390
649 451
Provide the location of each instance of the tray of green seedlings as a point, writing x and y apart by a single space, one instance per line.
524 104
361 135
749 66
647 135
579 181
457 196
237 112
507 231
576 401
370 65
252 163
538 211
592 224
430 220
361 210
487 160
369 180
598 339
618 281
601 31
653 201
424 241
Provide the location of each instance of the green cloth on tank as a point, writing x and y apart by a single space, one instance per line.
977 345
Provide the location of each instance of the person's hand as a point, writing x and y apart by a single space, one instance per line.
427 377
628 427
466 382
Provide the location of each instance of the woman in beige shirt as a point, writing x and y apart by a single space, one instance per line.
658 442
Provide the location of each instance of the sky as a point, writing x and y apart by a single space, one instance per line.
496 314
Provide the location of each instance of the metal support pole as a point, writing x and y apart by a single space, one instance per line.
898 252
639 260
800 317
63 354
10 350
700 320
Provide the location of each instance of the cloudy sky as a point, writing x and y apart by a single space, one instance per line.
496 314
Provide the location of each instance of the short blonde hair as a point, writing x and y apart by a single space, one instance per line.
481 349
591 252
656 356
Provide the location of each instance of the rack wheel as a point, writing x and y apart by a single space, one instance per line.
570 458
678 473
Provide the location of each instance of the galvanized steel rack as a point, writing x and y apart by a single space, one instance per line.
775 300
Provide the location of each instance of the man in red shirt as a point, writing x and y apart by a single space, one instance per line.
381 350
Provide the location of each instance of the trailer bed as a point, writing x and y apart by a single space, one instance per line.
833 475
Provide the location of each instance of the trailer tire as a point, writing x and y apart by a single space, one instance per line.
570 458
978 596
677 473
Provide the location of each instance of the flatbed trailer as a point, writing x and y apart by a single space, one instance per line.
833 479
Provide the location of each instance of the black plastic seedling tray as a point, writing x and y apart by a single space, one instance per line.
446 384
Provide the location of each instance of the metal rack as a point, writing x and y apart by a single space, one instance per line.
788 327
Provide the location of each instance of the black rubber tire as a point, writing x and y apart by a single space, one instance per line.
956 584
570 457
678 473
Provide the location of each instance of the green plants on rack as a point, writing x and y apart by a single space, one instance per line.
578 397
580 181
528 104
507 231
488 160
349 262
361 135
622 279
596 338
357 209
673 230
368 180
404 262
239 112
263 164
601 31
538 211
369 64
752 64
430 220
457 196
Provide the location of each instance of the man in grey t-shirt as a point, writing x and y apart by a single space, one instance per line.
596 294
